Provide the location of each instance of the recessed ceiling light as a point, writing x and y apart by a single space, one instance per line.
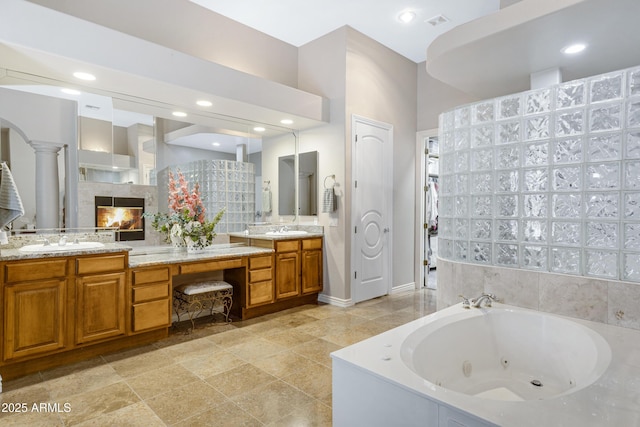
259 129
286 121
204 103
215 144
84 76
179 114
574 48
114 167
70 91
406 16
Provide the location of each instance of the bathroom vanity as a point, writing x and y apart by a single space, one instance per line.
59 308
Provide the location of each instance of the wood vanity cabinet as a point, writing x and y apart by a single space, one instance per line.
35 307
311 268
260 289
100 297
287 268
150 298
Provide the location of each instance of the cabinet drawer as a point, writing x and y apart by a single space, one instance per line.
35 270
100 264
311 244
141 277
150 292
201 267
287 246
260 293
260 275
259 262
154 314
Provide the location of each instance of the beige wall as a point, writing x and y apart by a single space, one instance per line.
361 77
435 97
186 27
382 85
322 65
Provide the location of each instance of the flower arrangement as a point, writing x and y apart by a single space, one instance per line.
185 224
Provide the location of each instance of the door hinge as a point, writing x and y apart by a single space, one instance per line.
356 183
355 229
425 262
426 151
355 274
426 188
425 225
356 137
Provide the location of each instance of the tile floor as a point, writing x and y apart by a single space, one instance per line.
271 371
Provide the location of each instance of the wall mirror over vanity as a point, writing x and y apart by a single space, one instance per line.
126 146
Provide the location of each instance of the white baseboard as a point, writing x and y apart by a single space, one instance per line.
404 288
338 302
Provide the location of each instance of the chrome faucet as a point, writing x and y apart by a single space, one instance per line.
284 229
486 298
62 241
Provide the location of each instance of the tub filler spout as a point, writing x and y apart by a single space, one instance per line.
486 298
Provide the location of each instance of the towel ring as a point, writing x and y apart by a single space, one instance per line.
334 181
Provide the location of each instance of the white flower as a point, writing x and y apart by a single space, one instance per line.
176 230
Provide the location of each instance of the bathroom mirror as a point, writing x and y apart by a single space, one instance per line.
305 179
136 139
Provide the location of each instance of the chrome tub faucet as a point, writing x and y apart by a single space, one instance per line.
486 298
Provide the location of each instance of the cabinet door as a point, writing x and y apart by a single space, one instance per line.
100 307
34 317
311 271
287 275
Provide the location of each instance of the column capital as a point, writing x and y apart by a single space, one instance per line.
42 146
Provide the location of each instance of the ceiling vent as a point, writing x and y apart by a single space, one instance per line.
437 20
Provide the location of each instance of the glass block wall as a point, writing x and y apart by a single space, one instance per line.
546 180
223 184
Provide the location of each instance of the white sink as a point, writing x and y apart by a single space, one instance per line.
286 233
54 247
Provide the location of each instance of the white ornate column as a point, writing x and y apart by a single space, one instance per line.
47 184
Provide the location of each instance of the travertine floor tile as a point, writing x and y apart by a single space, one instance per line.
179 403
159 381
136 415
240 380
207 366
317 350
227 415
284 363
316 382
272 401
97 402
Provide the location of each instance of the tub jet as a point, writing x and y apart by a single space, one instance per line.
536 383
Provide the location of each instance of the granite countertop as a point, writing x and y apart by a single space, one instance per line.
264 236
13 254
157 255
260 232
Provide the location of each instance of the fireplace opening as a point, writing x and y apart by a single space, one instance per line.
125 214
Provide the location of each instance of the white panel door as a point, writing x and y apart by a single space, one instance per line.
372 208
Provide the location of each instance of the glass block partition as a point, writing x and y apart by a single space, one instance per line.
546 180
223 184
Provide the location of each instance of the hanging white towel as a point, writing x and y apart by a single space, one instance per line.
329 202
266 200
10 202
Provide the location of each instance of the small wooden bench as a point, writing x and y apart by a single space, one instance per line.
192 299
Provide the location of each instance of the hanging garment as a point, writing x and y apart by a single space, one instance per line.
10 202
433 203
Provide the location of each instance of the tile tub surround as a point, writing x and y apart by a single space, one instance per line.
270 371
606 301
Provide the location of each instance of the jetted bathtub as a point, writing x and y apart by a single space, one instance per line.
502 365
